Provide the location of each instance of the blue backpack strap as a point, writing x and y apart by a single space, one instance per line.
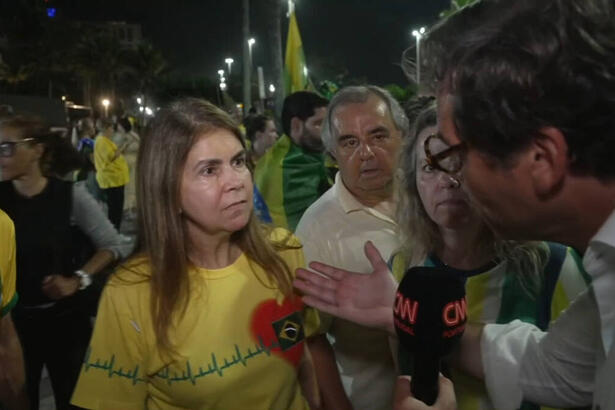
551 275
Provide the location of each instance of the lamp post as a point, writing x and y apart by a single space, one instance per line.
228 62
105 103
251 42
418 34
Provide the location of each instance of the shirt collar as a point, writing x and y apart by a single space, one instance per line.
599 262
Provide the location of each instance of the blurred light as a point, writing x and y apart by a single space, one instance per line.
51 12
251 41
418 33
141 108
105 102
229 60
223 86
222 79
148 111
271 88
305 71
220 72
139 100
63 98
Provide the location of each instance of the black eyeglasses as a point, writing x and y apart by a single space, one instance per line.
449 160
7 148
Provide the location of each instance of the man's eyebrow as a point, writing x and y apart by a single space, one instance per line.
345 137
379 129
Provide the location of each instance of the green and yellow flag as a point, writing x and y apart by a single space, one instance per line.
295 70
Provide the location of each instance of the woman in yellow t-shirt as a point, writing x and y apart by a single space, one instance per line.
204 316
112 173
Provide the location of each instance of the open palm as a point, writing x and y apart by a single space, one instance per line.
357 297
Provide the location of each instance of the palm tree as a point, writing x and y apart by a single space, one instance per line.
146 65
100 61
13 76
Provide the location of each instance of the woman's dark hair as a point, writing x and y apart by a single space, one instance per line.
514 67
254 124
59 156
125 123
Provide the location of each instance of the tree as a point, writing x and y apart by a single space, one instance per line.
457 5
13 76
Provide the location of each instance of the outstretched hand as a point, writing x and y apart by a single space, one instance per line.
366 299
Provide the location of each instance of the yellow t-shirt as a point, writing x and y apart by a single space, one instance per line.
8 297
109 174
240 343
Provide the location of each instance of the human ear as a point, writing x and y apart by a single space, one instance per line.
549 161
296 128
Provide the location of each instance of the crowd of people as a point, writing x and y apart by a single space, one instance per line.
265 267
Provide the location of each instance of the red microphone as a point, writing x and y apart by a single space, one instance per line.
429 315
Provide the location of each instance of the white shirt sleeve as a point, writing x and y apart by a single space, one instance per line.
555 369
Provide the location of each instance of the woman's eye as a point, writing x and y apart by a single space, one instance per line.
428 168
207 171
239 162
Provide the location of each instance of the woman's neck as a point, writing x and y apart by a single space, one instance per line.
212 252
463 248
31 183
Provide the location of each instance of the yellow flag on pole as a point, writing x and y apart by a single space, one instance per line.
295 70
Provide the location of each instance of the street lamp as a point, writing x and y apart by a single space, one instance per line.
418 34
251 42
105 102
271 88
228 62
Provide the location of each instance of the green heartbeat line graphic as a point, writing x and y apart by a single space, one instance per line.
213 367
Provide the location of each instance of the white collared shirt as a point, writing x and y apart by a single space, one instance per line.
574 363
334 230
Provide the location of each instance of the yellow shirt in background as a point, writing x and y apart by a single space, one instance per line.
8 297
109 173
240 343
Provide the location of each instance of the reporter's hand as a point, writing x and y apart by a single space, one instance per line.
404 400
58 286
366 299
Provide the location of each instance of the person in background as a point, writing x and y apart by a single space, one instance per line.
292 174
363 130
112 173
204 315
129 149
262 133
52 221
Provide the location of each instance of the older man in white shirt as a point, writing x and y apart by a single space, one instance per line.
363 130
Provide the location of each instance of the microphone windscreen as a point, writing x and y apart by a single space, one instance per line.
430 307
429 317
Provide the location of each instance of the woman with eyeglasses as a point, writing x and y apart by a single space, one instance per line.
505 280
53 325
204 315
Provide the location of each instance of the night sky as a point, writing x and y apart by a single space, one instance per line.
366 37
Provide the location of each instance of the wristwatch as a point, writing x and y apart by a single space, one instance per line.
85 279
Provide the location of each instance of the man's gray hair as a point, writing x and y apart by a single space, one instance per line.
356 95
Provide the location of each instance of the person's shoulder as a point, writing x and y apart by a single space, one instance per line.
283 238
322 210
6 224
132 275
275 153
